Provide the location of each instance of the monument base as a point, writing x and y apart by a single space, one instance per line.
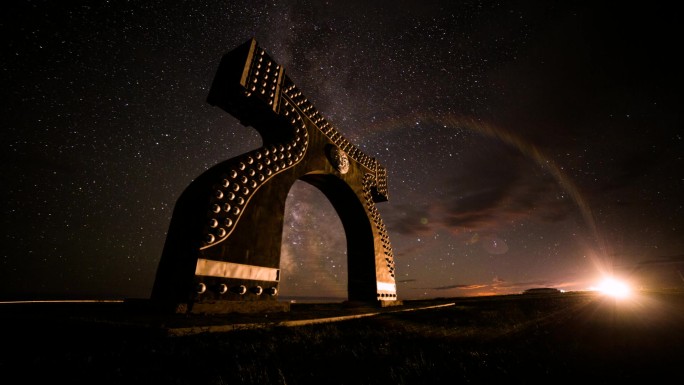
207 307
225 307
390 303
372 304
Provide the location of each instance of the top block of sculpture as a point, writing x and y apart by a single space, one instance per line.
222 251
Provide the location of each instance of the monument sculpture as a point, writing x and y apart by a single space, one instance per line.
222 251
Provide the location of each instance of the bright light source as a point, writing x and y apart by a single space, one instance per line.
614 288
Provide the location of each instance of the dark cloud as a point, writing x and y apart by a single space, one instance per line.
662 261
491 186
491 191
463 287
411 219
659 273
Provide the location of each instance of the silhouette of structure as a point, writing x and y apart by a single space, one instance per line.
222 251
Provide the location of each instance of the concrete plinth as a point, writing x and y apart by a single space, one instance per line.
225 307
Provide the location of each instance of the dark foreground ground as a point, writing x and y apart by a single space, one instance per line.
520 339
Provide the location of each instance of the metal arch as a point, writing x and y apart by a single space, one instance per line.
224 240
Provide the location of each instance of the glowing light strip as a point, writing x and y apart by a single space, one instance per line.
236 270
62 301
386 286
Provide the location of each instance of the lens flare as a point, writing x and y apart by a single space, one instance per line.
614 287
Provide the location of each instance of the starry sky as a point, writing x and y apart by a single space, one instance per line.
528 143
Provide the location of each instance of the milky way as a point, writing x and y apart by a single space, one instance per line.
526 144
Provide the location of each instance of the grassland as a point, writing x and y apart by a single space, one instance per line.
567 338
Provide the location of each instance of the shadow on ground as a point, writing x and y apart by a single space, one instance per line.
516 339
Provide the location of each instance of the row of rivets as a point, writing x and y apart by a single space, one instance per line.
379 225
386 295
323 125
240 290
264 77
300 101
381 180
235 187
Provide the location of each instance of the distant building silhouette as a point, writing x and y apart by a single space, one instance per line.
542 290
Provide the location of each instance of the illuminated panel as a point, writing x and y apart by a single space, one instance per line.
386 286
221 269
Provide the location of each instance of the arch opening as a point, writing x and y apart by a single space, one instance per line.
313 257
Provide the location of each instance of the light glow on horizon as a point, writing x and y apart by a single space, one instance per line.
614 287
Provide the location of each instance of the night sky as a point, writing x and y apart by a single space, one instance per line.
528 144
